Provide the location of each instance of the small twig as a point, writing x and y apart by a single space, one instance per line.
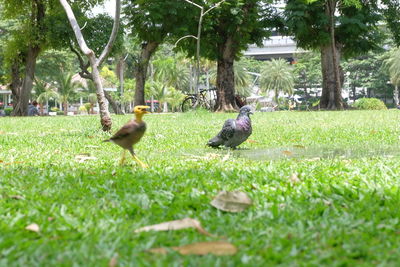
83 27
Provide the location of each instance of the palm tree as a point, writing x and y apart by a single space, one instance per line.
45 96
277 75
392 64
66 88
159 91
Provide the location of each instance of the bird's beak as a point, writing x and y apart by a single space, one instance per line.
147 111
251 112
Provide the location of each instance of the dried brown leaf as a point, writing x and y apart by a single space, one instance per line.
175 225
33 227
299 146
234 201
251 141
18 197
113 261
287 153
219 248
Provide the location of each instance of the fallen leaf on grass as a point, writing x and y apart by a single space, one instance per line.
235 201
219 248
175 225
252 141
14 162
91 146
33 227
226 157
2 132
50 219
18 197
84 157
287 152
113 262
294 179
299 146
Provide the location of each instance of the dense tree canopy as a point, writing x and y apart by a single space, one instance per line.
335 28
227 31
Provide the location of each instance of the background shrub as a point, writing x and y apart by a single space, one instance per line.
369 103
8 111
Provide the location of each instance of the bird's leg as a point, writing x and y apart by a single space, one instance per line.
121 162
141 163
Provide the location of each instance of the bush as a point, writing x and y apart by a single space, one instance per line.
369 103
60 112
8 111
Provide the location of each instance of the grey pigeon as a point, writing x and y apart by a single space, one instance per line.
234 132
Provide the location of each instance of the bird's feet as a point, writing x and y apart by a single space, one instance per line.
141 163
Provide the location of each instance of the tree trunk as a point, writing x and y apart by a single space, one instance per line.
141 71
105 118
330 57
16 80
65 108
113 104
21 106
226 78
120 74
331 97
396 95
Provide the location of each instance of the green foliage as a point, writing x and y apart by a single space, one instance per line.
356 28
307 72
392 66
242 22
277 76
366 71
341 211
369 104
391 11
8 111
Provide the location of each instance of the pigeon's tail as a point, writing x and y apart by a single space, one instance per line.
215 142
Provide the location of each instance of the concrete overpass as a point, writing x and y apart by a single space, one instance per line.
275 47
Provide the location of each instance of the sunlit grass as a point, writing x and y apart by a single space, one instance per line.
342 211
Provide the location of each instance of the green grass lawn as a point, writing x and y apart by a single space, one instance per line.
343 211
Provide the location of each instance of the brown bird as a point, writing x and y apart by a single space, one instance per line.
130 134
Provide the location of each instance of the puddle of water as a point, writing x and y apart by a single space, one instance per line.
317 152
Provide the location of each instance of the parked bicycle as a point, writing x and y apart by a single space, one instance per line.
207 99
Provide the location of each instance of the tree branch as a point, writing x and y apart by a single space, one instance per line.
82 64
190 2
113 35
75 26
211 8
187 36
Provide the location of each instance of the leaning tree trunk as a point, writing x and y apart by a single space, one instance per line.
226 79
105 118
141 70
113 104
24 94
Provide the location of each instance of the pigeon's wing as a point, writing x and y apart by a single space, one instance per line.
228 130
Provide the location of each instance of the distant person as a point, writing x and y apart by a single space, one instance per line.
32 109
